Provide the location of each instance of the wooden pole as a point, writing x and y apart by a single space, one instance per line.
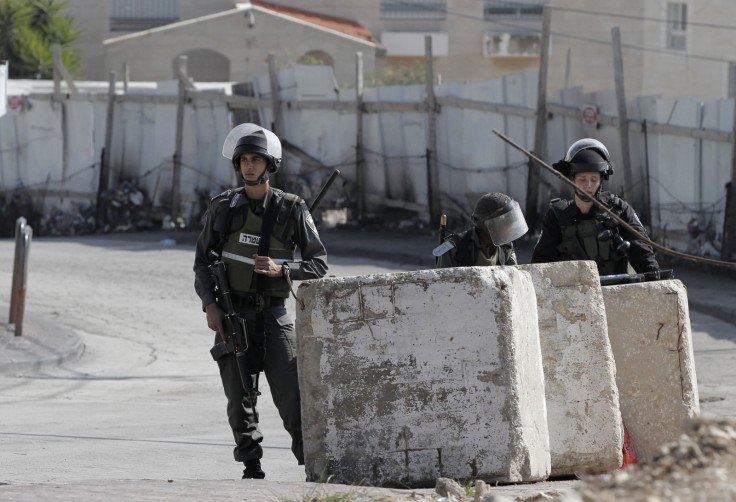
126 76
56 76
20 225
433 184
103 183
359 161
60 70
728 245
181 100
540 130
277 125
623 120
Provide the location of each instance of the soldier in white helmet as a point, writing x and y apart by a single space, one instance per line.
577 230
255 230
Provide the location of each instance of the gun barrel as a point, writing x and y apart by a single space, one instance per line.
324 189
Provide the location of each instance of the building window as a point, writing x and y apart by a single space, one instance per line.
677 26
413 9
138 15
493 9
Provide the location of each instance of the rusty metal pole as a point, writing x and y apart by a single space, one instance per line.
20 303
20 224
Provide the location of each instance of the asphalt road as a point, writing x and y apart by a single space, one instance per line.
141 412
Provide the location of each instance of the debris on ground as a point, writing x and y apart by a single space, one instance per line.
700 466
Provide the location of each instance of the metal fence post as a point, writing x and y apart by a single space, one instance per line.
20 224
18 295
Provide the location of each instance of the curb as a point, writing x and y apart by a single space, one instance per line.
42 343
719 312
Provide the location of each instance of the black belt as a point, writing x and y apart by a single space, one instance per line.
254 301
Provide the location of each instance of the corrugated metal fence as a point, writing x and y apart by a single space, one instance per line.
680 148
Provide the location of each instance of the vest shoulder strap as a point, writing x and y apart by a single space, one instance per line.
559 206
222 208
285 217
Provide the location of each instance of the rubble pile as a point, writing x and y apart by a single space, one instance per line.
700 466
14 204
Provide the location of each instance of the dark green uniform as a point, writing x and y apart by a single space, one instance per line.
568 234
234 226
470 251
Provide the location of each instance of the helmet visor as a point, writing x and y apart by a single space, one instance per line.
506 226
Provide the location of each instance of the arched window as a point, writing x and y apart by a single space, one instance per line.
316 57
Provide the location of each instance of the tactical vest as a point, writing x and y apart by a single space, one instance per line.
242 243
580 240
466 256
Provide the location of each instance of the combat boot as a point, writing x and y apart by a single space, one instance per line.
253 470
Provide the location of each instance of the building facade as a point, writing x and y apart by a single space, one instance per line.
472 40
669 48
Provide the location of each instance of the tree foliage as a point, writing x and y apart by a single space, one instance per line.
29 29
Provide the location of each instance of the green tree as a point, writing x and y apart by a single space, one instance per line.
29 29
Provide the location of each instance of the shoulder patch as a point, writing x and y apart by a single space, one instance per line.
227 193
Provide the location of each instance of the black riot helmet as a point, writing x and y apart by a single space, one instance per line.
586 155
500 216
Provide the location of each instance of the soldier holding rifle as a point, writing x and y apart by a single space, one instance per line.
245 261
497 221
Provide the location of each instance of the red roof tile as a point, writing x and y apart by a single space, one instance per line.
346 26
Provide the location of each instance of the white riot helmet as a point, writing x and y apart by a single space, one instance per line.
501 216
252 138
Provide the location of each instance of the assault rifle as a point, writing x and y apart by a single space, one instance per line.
655 275
236 333
236 328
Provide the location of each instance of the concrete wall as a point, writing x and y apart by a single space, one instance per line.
412 376
649 329
579 371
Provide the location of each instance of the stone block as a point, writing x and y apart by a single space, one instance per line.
583 414
412 376
649 329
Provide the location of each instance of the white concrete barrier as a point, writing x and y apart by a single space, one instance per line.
579 370
649 328
413 376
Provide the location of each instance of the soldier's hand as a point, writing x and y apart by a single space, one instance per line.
214 318
266 266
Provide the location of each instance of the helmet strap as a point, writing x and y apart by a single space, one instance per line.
262 180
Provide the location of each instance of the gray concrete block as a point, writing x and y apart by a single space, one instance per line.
579 370
412 376
649 328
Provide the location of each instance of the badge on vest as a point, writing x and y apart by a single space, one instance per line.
252 240
443 248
